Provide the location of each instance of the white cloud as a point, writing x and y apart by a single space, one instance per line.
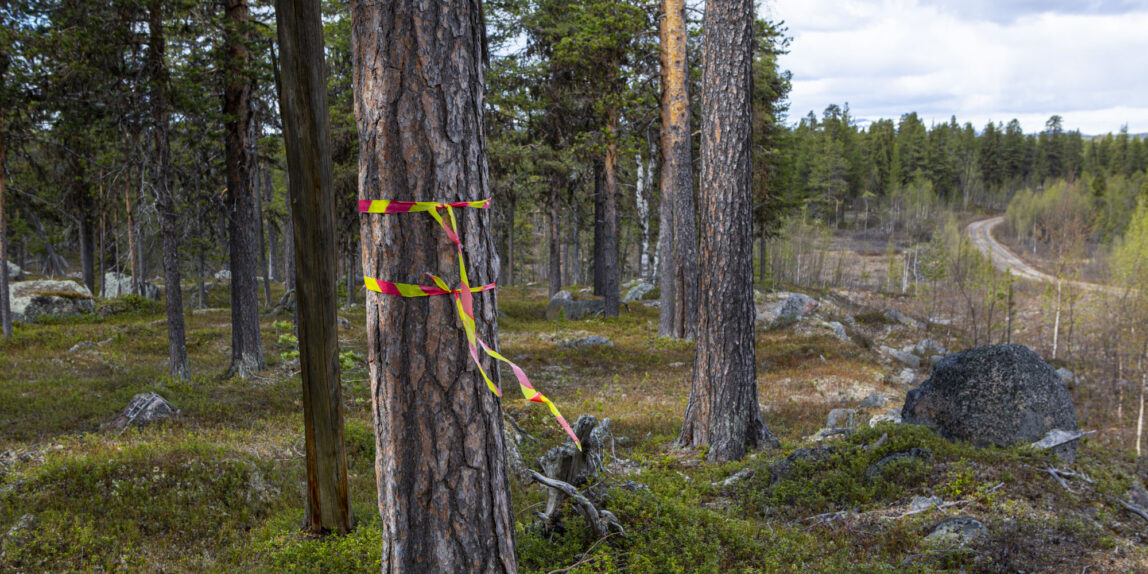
979 60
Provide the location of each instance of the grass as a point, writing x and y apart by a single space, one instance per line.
219 488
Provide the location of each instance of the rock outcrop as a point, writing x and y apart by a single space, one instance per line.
562 304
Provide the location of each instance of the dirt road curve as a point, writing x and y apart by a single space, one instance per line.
981 232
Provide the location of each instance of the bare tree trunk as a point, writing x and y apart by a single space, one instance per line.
554 273
133 260
5 304
443 484
1056 323
164 197
599 231
272 270
679 305
246 344
611 284
723 411
257 184
307 138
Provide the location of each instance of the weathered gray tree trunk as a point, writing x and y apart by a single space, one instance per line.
443 484
307 139
164 197
679 274
723 411
246 344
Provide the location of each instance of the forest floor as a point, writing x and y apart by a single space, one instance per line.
219 488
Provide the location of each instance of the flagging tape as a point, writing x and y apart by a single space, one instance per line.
463 296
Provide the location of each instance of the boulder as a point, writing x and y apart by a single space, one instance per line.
793 309
909 359
14 272
782 469
874 400
994 395
895 316
32 299
838 330
1067 376
120 285
143 409
637 292
929 347
905 378
841 419
223 275
563 304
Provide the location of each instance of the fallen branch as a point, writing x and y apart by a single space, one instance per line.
600 520
1131 508
1055 474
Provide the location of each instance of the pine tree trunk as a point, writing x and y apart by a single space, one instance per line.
554 272
642 202
599 231
246 344
5 304
723 411
307 138
257 185
133 260
443 485
679 305
610 280
289 245
164 197
87 229
273 272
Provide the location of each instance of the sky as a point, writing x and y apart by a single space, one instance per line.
981 60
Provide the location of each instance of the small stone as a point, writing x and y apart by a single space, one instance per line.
905 378
909 359
889 417
344 324
223 275
895 316
959 530
923 503
874 400
1067 376
1057 437
929 347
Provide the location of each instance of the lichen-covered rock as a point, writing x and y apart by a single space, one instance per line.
994 395
120 285
874 400
909 359
14 272
143 409
562 304
584 342
793 309
637 292
32 299
958 531
841 419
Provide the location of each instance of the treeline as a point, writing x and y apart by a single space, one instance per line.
835 167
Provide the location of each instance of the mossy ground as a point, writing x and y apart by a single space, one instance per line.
220 488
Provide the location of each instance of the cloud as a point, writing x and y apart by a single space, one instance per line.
979 60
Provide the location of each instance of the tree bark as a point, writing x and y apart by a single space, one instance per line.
85 215
599 231
5 304
723 411
257 185
246 344
442 479
164 197
307 139
679 282
554 274
611 284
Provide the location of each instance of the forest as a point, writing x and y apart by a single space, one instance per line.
556 286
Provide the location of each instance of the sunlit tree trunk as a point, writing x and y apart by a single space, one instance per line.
723 411
443 486
679 273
